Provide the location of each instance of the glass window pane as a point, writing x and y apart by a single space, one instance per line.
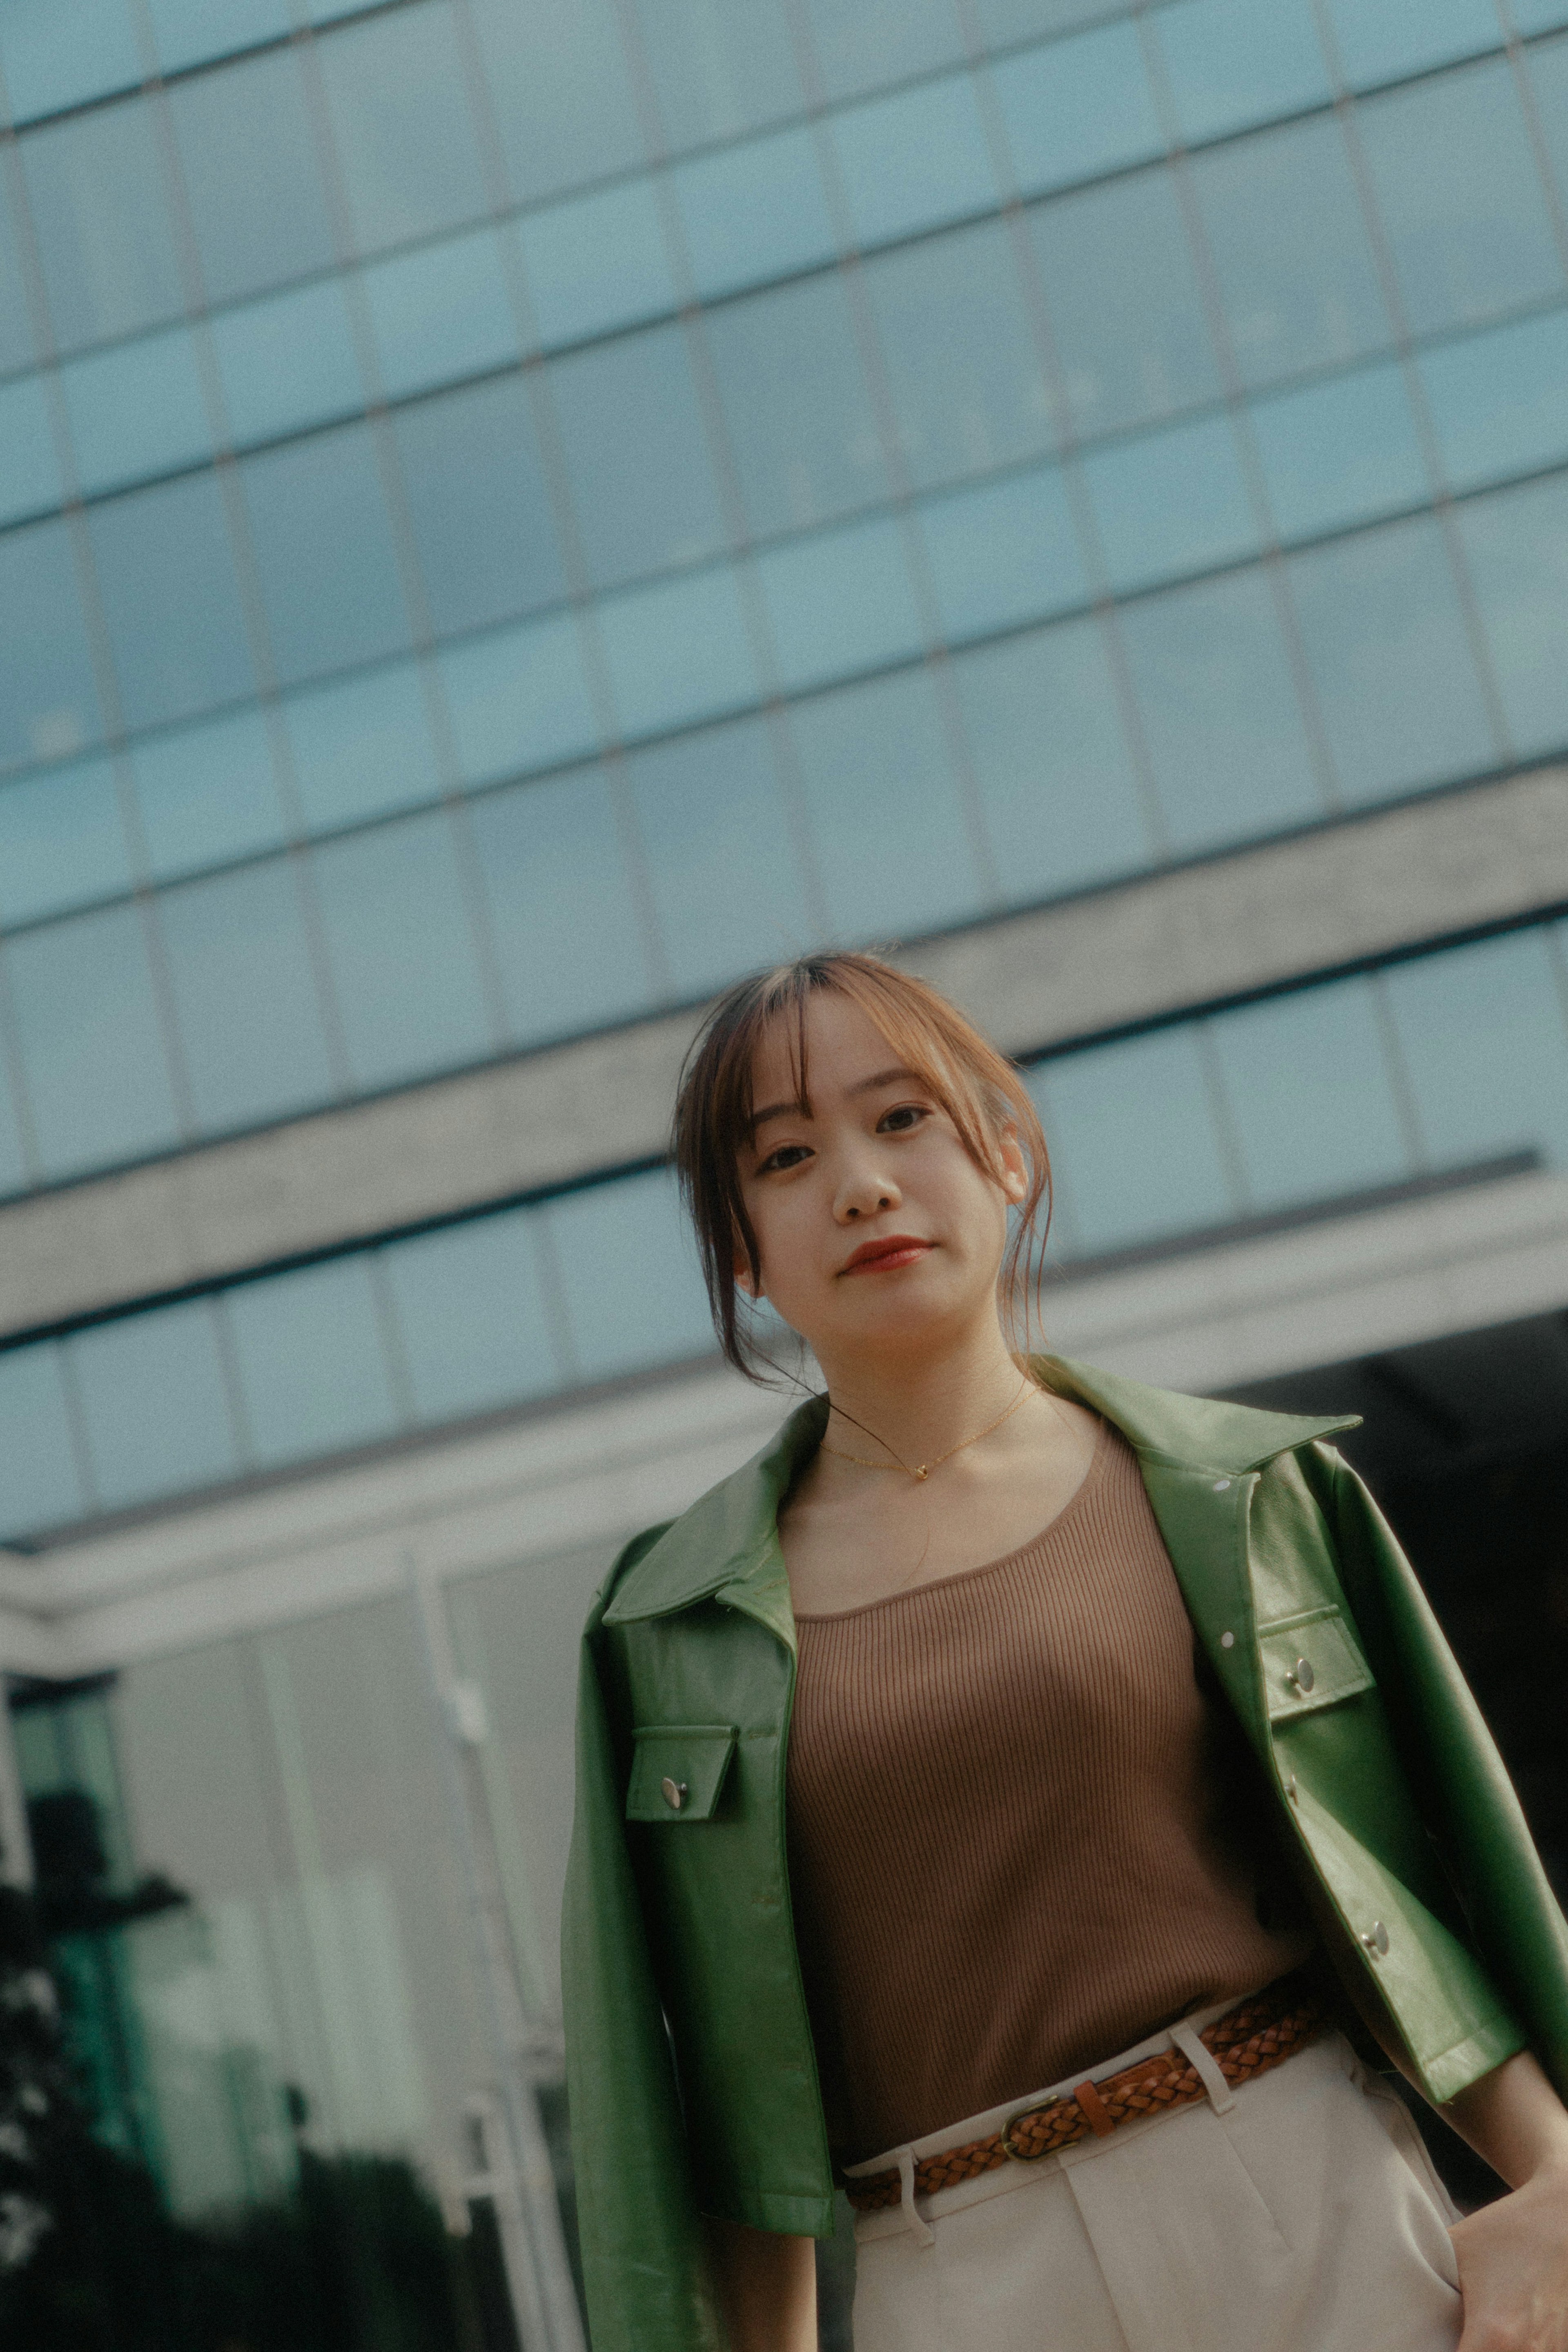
61 841
629 1274
1482 1033
1005 21
1003 552
95 187
312 1361
754 213
1134 1148
1231 62
677 651
479 507
1307 1083
885 810
136 411
1288 236
1462 202
1125 307
91 1046
401 951
560 92
207 794
362 747
862 44
1042 719
30 481
404 135
914 159
154 1403
441 312
1341 452
561 905
1498 403
1076 109
1176 501
41 1485
170 600
245 996
1537 16
287 362
518 698
15 1175
962 363
794 394
1220 712
48 701
631 424
840 602
718 70
1517 550
53 61
17 347
1409 36
1388 653
250 166
187 31
1546 71
472 1315
722 866
596 262
324 551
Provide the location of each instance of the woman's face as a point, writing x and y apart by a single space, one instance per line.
876 1229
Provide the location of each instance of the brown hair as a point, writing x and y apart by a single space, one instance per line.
979 1089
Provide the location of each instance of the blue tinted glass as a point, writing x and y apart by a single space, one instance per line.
245 996
54 59
478 506
1004 21
312 1363
14 1171
1338 453
1537 16
629 1273
1482 1033
208 793
1041 715
1220 712
49 702
92 1050
631 424
250 165
405 134
961 359
40 1485
137 411
29 468
61 841
1462 201
95 186
17 346
170 600
1517 550
1406 36
914 159
1004 552
862 44
719 70
186 31
1388 653
1307 1084
678 651
754 213
1076 109
1287 233
1176 501
362 747
472 1317
287 362
1134 1148
886 809
441 312
517 698
155 1404
1546 68
596 262
324 550
1231 62
1126 309
1499 402
840 603
402 951
795 398
561 96
561 908
722 866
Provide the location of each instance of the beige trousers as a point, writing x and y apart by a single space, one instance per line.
1297 2213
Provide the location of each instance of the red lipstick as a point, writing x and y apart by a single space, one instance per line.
889 1250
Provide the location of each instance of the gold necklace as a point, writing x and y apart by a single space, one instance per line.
926 1468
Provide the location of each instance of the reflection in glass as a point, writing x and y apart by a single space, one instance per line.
1133 1145
862 44
1311 1096
30 480
1002 553
560 95
717 70
471 1315
1498 403
154 1403
43 1482
285 361
1172 502
1076 109
840 602
1482 1032
1230 63
136 411
91 1047
796 403
1341 452
170 600
206 794
754 213
362 747
517 698
249 163
62 841
565 921
403 132
48 701
914 161
52 62
324 551
311 1359
478 506
95 188
631 426
629 1276
1516 547
1386 44
440 312
244 988
677 651
596 262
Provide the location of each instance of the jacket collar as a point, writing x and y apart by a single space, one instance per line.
729 1536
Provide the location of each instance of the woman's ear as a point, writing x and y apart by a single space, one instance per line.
1015 1174
743 1280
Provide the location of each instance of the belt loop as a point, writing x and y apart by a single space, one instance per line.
1221 2097
923 2230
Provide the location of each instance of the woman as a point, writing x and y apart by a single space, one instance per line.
971 1787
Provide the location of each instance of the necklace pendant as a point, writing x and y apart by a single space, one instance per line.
923 1470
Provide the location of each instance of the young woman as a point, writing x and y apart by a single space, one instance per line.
974 1789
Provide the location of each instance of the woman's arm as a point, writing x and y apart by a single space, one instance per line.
766 2288
1513 2255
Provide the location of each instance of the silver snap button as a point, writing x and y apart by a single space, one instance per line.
1221 1485
1228 1641
1301 1675
1376 1939
1290 1789
674 1792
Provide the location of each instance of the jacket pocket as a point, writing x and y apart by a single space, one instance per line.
678 1771
1310 1661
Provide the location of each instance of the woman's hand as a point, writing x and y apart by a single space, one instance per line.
1513 2255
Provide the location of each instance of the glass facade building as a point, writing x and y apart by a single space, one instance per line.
510 516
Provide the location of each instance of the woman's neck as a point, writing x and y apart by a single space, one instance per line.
922 1405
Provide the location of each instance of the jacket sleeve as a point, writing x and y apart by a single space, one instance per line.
644 2262
1461 1782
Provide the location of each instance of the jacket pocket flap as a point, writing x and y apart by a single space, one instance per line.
678 1771
1310 1661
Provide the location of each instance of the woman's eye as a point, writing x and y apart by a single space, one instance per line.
899 1120
789 1155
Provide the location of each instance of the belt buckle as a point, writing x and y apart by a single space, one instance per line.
1027 2155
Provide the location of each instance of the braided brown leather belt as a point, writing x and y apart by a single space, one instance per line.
1248 2039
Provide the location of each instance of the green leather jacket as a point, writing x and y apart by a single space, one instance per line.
691 2072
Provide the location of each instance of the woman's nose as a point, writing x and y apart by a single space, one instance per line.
863 1190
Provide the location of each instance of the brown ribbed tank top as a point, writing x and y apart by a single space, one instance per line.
1013 1848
